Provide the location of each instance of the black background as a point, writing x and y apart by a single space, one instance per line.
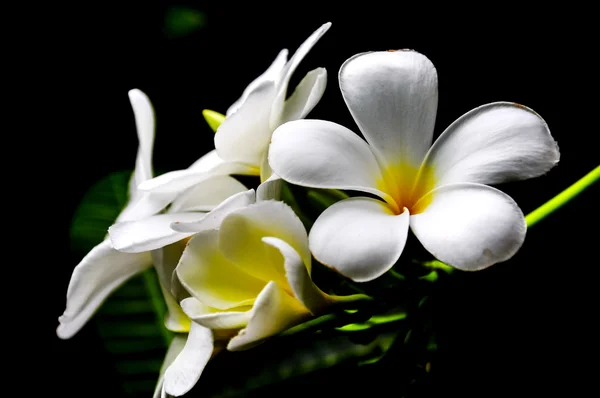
524 326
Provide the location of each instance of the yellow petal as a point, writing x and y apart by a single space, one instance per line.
213 279
274 311
242 231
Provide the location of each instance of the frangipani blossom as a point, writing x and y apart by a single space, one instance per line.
245 134
438 190
243 138
104 269
248 280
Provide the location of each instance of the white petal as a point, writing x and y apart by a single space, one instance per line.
207 162
98 274
176 346
273 312
214 218
321 154
208 194
392 96
298 277
141 206
491 144
360 238
470 226
244 136
186 369
213 318
144 121
149 233
270 189
160 191
289 69
213 279
241 233
273 73
213 163
138 205
165 260
164 189
307 94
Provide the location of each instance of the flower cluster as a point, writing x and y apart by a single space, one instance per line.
234 264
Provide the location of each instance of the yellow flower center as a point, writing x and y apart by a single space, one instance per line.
407 185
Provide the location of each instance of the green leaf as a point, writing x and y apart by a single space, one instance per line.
288 359
131 320
98 209
321 199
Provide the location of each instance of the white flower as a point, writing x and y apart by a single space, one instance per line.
243 138
438 191
245 134
104 269
249 279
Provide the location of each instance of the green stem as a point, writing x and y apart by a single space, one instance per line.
331 319
565 196
151 283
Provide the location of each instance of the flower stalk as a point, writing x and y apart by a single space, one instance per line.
562 198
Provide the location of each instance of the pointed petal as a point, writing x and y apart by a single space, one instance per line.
298 277
392 97
491 144
470 226
165 260
361 238
213 318
214 218
244 136
149 233
273 312
241 233
321 154
273 73
207 195
186 369
288 71
307 94
144 121
270 189
138 205
98 274
213 279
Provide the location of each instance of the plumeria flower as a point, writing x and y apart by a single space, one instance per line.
243 138
438 190
104 269
248 280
